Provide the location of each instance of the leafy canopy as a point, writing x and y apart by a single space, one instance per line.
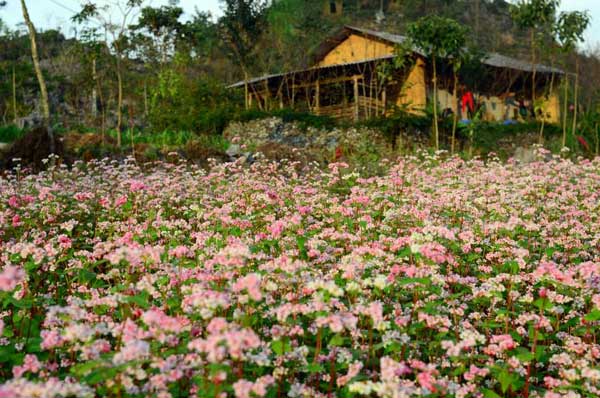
534 14
438 36
242 23
570 28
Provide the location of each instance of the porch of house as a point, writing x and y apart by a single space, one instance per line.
354 92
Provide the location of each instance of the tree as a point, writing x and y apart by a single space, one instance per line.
463 58
119 36
162 26
570 28
294 28
92 53
242 23
40 76
437 38
537 16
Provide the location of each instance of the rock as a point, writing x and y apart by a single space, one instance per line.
33 119
525 155
234 150
32 149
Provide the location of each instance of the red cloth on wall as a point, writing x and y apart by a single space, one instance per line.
467 100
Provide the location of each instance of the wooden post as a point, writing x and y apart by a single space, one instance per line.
318 98
356 114
267 93
293 91
145 98
14 95
384 100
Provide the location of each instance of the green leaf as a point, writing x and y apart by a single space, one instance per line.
594 315
408 281
86 276
337 340
490 393
301 242
512 267
508 380
524 355
100 375
280 347
314 367
543 304
83 369
141 299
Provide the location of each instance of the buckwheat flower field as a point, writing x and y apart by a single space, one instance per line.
443 278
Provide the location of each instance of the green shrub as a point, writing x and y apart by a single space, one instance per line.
181 102
10 133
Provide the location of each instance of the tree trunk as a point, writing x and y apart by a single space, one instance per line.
145 98
39 75
534 69
14 96
131 128
575 95
119 100
565 111
597 140
477 18
455 116
436 131
541 137
94 90
246 89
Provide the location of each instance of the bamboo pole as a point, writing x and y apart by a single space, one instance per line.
293 90
575 94
267 95
317 97
356 112
14 95
455 116
565 111
435 108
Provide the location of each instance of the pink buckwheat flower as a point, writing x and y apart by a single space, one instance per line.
30 364
10 277
121 200
250 283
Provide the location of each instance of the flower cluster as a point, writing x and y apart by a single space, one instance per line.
442 278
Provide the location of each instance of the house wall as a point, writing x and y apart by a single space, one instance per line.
498 109
551 108
356 48
446 100
413 95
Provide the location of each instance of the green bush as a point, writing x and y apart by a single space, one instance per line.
10 133
182 103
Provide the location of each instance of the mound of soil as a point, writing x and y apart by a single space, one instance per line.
75 141
31 149
198 152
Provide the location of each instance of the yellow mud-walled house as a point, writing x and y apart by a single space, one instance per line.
354 77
